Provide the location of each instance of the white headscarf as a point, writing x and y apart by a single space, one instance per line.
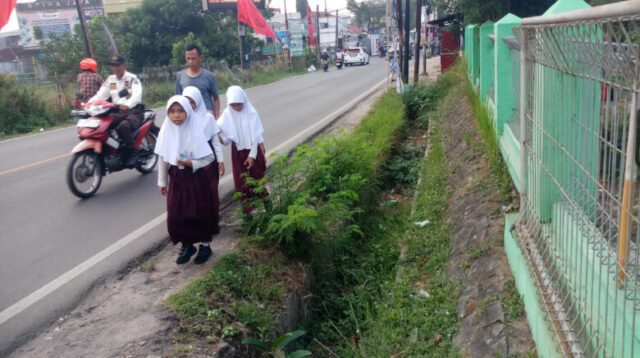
186 139
204 119
243 127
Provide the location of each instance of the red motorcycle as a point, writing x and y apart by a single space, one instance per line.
97 153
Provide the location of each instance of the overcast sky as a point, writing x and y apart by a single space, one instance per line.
291 7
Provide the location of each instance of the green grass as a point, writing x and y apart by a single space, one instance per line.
400 320
512 301
501 180
242 290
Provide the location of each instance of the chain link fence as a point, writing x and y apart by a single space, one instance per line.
579 222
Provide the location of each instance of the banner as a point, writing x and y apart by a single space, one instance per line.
50 22
249 14
296 32
313 41
6 8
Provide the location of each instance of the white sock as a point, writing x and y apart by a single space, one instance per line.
205 244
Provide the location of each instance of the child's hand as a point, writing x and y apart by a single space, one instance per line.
163 190
221 168
184 163
249 163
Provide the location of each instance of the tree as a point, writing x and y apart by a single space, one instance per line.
301 7
62 54
368 12
148 32
479 11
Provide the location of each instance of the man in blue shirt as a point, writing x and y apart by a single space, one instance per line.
195 75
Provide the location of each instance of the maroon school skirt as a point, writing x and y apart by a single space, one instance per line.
192 204
257 171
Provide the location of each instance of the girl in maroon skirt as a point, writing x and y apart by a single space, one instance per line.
240 125
193 172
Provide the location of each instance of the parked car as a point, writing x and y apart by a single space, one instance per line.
356 55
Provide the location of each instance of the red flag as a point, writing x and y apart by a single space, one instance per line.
249 14
313 42
6 8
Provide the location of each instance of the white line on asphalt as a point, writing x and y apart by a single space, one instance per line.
26 302
35 134
50 287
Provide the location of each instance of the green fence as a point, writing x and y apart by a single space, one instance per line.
563 89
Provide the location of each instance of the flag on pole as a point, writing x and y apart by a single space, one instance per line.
313 42
6 8
249 14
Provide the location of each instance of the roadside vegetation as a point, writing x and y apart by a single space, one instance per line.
28 107
372 253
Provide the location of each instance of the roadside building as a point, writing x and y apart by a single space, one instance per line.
38 20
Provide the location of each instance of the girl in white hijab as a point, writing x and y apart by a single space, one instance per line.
207 121
192 190
241 126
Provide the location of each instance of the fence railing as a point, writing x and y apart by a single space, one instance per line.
575 79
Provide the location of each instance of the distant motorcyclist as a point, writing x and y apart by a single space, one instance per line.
325 60
324 56
339 58
89 81
125 91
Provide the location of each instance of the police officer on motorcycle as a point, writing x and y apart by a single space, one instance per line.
125 91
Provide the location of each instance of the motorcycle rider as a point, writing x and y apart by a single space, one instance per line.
125 91
325 59
339 57
89 81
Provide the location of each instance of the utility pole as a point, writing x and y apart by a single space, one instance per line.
388 41
426 36
416 60
83 26
336 47
318 30
407 50
399 52
286 26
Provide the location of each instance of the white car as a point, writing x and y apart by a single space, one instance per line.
356 55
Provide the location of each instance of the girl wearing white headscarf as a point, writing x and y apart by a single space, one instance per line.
207 121
192 190
241 126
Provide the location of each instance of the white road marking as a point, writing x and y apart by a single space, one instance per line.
50 287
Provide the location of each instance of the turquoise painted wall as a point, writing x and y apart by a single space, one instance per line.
476 56
567 107
558 107
503 83
486 58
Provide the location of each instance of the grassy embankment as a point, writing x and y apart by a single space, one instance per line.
346 223
27 107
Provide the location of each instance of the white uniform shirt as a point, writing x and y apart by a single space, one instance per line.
112 87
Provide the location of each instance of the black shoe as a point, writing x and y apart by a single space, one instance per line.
185 254
204 252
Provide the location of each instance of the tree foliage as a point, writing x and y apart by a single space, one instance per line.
479 11
153 34
62 54
301 7
368 13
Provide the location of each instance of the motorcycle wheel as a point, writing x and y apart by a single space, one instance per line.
148 144
82 182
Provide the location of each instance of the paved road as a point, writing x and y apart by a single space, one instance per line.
45 231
